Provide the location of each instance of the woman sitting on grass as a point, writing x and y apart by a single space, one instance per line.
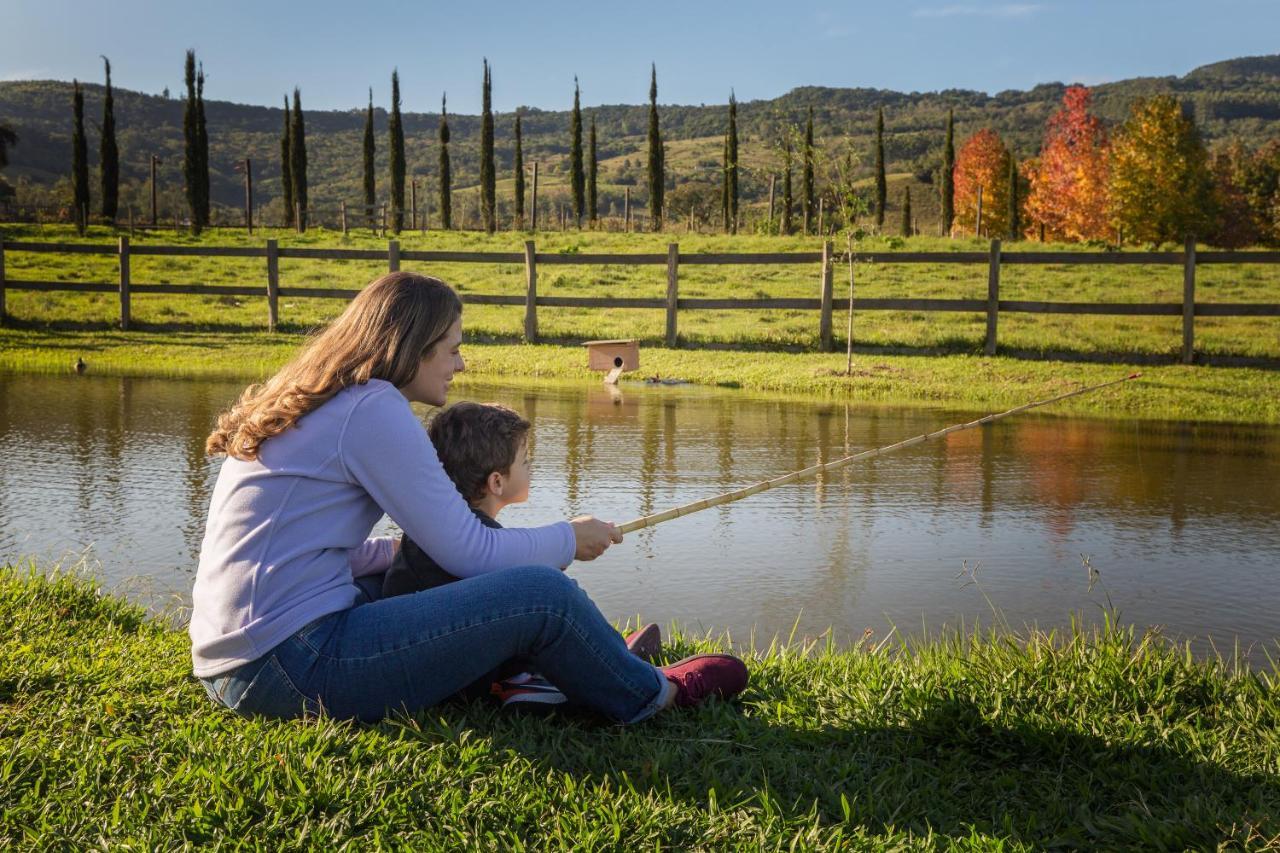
314 458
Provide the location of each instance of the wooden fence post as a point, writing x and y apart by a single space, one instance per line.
124 284
384 220
626 210
531 292
993 295
273 285
413 204
2 310
673 289
1189 302
824 324
977 226
342 215
393 256
771 181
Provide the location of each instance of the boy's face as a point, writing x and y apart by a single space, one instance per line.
515 485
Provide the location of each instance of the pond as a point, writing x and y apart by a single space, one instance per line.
1031 520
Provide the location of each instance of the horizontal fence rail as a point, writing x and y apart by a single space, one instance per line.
992 306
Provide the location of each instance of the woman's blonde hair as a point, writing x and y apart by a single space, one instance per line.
384 334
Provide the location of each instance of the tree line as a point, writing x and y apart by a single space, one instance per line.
1152 180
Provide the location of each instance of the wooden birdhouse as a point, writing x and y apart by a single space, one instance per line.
615 357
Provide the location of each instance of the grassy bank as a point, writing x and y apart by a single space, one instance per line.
1104 740
969 382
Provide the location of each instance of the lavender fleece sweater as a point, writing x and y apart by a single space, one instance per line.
287 532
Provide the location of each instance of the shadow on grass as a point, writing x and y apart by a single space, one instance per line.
948 769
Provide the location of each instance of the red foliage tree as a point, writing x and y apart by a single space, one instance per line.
1069 184
983 161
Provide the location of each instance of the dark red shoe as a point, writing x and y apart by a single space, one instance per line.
700 676
646 642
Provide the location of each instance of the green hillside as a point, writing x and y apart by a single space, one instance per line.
1238 98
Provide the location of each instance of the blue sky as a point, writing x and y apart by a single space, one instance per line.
254 53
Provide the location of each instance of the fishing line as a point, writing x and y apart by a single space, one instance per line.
739 494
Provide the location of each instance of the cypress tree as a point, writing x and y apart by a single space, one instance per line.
488 171
733 164
298 159
906 212
575 157
882 186
8 138
395 130
109 154
809 201
446 180
202 147
948 188
79 159
1014 228
191 144
724 185
370 182
519 170
593 202
657 166
286 175
788 203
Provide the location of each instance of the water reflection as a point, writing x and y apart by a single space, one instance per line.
1180 519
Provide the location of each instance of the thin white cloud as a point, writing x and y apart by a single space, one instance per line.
1004 10
25 74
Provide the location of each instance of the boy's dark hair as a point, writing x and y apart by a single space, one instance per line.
475 439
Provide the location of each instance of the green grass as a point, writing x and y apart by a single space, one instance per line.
902 358
1101 740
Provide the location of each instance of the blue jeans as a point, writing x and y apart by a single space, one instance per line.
409 652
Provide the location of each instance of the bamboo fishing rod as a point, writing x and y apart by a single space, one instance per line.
730 497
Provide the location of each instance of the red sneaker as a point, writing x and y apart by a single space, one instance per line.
646 642
700 676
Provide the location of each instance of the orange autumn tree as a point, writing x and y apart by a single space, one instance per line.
983 161
1069 181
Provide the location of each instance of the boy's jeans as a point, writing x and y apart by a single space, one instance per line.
412 651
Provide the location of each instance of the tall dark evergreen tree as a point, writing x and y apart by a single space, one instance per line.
948 187
518 167
1015 229
488 169
882 185
788 202
286 175
576 177
907 229
370 150
657 165
446 179
191 144
109 154
298 159
810 191
79 159
724 185
202 146
395 133
8 139
733 164
593 201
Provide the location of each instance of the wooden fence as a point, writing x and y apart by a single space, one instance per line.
673 303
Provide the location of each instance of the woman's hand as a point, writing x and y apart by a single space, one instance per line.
593 536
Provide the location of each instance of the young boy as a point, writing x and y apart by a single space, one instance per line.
484 448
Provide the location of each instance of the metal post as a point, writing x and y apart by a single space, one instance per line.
993 295
413 204
977 226
673 285
342 214
1189 302
393 256
531 292
626 210
273 285
154 161
124 284
248 194
534 206
772 178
